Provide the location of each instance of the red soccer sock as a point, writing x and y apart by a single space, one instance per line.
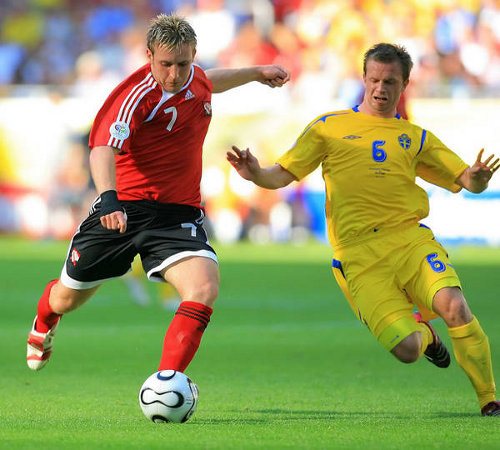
46 318
183 336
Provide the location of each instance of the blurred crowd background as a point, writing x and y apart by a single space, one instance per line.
455 43
59 59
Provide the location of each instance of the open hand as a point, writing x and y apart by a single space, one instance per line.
482 171
244 162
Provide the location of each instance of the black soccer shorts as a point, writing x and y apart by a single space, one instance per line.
161 233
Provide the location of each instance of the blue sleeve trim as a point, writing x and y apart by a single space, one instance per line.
321 119
356 109
424 134
336 264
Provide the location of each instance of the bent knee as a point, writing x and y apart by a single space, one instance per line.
64 299
407 357
451 305
205 293
409 349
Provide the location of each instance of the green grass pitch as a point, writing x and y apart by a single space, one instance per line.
284 363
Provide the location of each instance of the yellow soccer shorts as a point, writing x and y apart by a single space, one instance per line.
384 278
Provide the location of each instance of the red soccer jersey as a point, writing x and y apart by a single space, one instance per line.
159 134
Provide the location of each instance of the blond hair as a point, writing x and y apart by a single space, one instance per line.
170 31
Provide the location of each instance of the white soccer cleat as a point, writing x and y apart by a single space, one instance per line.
40 347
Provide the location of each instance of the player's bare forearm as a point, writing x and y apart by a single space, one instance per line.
273 177
248 167
225 79
102 167
475 178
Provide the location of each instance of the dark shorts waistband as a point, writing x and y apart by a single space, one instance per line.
168 209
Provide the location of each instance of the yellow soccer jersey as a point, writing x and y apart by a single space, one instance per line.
369 166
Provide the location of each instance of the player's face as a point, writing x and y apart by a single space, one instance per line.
171 68
384 85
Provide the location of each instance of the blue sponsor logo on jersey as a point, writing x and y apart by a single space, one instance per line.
404 141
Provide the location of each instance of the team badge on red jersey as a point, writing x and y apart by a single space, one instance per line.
119 130
75 256
207 106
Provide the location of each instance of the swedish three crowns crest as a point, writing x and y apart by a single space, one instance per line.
404 141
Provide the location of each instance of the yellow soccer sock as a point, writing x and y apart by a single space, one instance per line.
427 337
472 352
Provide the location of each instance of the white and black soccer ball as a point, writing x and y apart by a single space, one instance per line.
168 396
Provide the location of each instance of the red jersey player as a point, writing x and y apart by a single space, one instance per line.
145 160
159 136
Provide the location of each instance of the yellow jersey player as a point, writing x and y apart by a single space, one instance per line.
384 256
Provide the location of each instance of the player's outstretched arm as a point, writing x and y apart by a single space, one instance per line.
102 167
475 178
225 79
248 167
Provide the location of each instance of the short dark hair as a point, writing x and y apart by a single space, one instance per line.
387 53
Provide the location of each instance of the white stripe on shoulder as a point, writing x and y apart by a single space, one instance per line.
146 80
140 95
126 115
124 106
134 99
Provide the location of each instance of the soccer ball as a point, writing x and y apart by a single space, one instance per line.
168 396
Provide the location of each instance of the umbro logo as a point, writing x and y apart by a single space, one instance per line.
351 136
189 95
75 256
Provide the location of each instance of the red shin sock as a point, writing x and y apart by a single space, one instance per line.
184 335
46 317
